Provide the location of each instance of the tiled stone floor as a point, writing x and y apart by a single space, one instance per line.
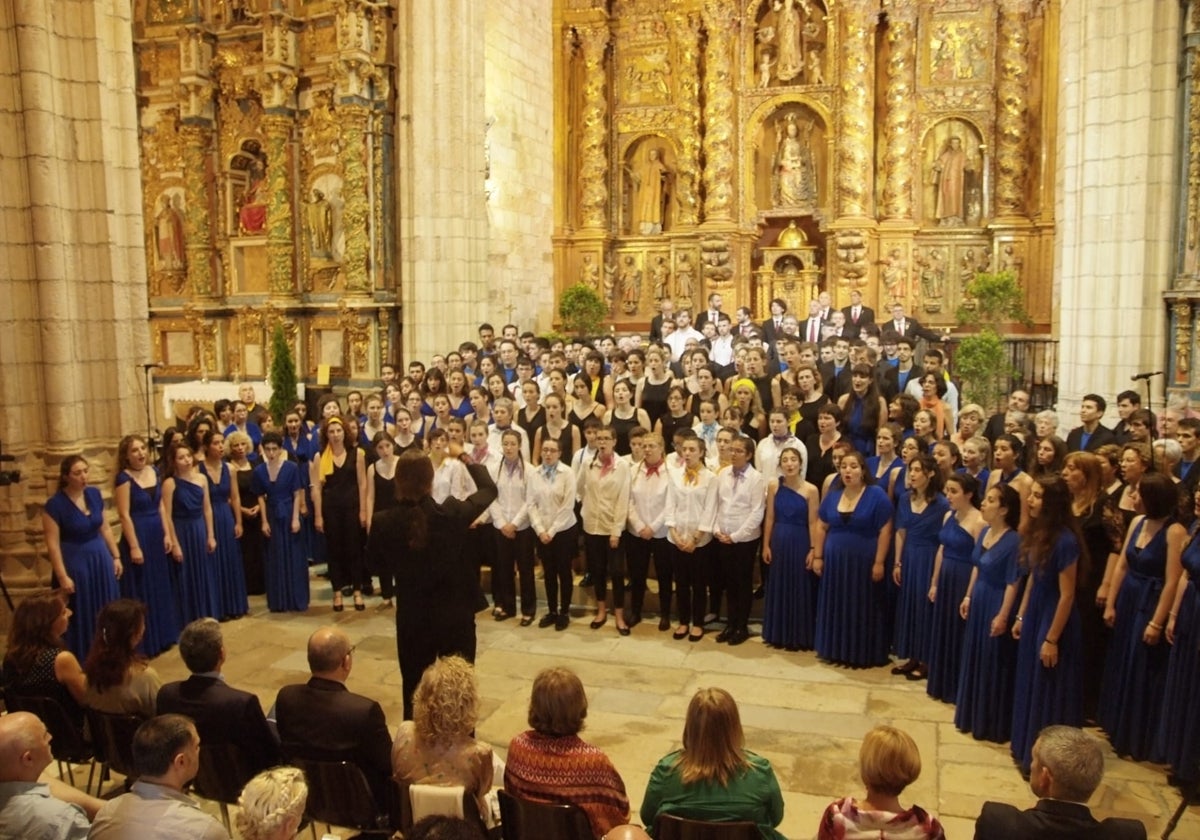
805 716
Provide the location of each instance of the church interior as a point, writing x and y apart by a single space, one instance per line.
182 177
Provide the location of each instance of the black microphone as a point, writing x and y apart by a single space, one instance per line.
1145 375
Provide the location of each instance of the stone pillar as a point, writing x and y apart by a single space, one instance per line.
1012 98
686 33
721 24
855 162
593 144
900 100
1115 186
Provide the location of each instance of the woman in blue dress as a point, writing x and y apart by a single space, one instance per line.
1007 455
83 551
1179 728
1049 678
919 516
989 655
951 576
145 550
227 528
885 463
790 612
193 543
1131 695
863 408
280 490
851 543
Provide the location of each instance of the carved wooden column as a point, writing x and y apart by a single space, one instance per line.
900 100
281 228
855 169
356 213
196 115
721 25
1012 99
687 39
593 144
1192 143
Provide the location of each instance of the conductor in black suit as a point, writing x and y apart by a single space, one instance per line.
1067 767
857 315
910 327
222 714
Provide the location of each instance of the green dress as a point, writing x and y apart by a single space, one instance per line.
754 796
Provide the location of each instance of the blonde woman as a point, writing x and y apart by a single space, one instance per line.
272 805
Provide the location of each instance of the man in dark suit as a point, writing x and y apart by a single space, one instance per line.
1068 765
1018 400
772 328
1091 435
857 315
712 314
910 327
222 714
323 721
667 311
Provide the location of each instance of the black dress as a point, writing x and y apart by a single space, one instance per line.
251 539
654 400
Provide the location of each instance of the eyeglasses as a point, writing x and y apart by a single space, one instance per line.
352 649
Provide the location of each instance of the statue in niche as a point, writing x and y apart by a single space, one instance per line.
631 286
895 269
610 285
168 235
790 28
252 215
794 181
649 179
765 63
660 276
950 176
590 274
933 279
685 275
320 225
816 76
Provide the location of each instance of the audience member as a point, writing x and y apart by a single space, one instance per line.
440 827
37 662
166 756
120 681
888 762
29 808
323 721
1068 765
222 714
271 806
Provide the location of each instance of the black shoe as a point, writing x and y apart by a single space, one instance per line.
597 623
760 593
500 615
635 618
562 622
547 620
526 620
664 624
738 637
624 631
725 635
586 580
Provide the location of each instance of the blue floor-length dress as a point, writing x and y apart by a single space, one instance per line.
988 663
287 567
850 605
198 587
914 613
1179 726
231 578
1131 695
945 648
88 563
790 612
150 581
1044 696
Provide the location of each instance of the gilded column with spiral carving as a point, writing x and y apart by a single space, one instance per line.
1012 98
721 23
593 143
898 123
281 274
356 212
687 39
855 164
1193 136
196 227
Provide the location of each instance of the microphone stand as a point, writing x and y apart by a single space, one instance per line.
151 438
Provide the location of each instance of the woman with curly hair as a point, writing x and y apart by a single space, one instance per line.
36 662
120 681
271 806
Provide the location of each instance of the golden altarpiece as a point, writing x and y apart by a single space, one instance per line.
266 131
773 148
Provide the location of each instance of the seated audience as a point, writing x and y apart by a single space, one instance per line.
888 762
120 680
28 807
166 756
437 746
37 662
323 721
1067 767
440 827
271 806
222 714
551 763
714 777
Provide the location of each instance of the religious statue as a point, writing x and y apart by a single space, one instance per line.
764 69
966 274
320 225
794 178
649 180
590 274
791 45
816 76
168 230
949 177
933 277
252 215
894 271
631 286
660 276
610 282
685 274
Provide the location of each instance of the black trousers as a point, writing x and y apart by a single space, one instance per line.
344 548
638 552
514 557
692 574
603 561
735 564
424 634
556 557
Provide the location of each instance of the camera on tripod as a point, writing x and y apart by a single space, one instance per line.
8 477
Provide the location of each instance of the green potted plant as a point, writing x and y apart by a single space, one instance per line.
981 359
581 310
283 377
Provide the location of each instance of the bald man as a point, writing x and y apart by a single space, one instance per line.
322 720
29 808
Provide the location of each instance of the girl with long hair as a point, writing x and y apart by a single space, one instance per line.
556 428
381 496
278 485
339 490
509 516
864 409
193 540
690 513
919 516
37 662
120 680
227 528
790 611
551 493
604 491
252 546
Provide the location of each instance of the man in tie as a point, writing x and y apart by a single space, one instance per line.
773 326
812 326
712 314
857 315
910 327
745 325
826 308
